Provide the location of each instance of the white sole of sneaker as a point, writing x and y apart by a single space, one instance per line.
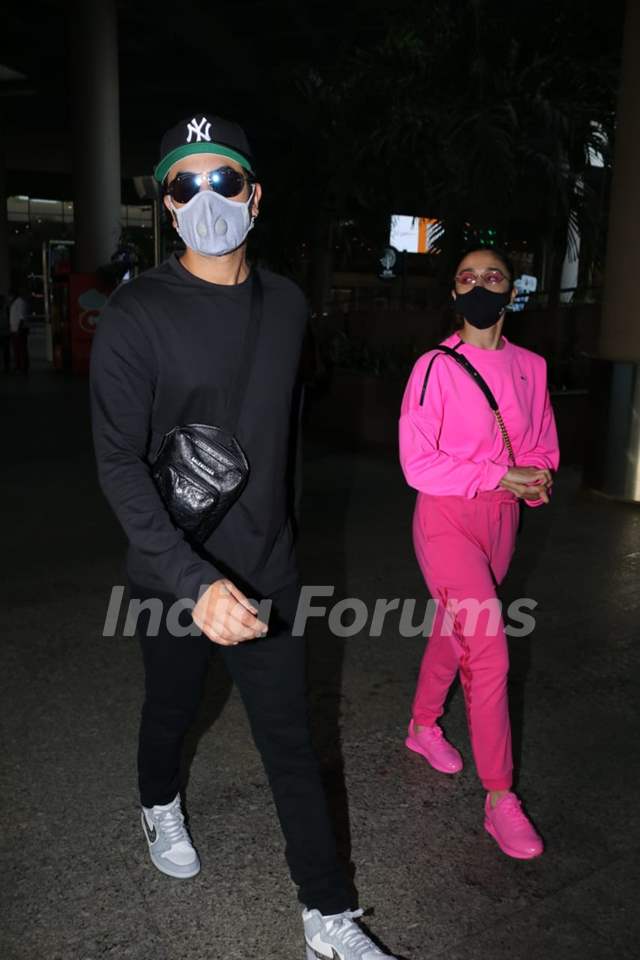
170 870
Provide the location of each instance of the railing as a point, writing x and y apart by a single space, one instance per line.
386 341
431 296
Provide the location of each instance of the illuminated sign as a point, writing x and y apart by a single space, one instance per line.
415 234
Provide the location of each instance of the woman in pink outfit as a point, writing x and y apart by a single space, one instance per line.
474 447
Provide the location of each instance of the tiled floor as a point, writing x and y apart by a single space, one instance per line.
76 883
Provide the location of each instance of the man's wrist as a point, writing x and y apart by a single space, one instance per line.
204 587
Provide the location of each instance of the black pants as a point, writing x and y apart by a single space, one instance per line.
20 341
270 675
5 350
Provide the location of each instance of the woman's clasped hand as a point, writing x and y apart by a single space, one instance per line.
530 483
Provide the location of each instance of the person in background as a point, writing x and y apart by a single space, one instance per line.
5 333
471 477
19 315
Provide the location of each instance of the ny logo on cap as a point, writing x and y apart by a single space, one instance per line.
194 129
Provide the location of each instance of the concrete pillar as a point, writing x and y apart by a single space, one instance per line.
94 99
570 268
620 333
4 230
612 463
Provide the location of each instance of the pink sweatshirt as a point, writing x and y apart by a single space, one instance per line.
451 445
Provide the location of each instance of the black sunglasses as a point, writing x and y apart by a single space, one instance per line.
225 180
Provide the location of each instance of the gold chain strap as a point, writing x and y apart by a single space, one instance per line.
505 437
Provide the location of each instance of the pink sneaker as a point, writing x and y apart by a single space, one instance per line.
430 742
511 828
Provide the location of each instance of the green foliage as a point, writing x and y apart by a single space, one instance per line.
462 109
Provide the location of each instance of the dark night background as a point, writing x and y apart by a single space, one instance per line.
477 112
484 114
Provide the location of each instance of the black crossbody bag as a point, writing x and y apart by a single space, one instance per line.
201 470
482 384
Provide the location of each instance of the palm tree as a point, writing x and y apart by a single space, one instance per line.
469 111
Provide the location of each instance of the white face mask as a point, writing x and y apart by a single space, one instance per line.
211 224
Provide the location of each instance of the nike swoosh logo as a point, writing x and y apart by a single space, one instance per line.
151 832
325 956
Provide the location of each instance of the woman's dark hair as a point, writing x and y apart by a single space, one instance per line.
500 255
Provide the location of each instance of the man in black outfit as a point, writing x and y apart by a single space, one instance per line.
168 349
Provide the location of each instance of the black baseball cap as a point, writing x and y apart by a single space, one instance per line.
203 133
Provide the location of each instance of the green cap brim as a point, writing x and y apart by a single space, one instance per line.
188 149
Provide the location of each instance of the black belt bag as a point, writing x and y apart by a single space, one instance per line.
201 470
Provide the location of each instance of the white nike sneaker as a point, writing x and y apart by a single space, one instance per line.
170 845
337 937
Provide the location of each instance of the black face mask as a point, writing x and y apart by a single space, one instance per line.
481 307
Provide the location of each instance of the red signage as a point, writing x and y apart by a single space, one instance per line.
87 297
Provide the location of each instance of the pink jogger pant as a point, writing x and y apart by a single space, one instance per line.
464 547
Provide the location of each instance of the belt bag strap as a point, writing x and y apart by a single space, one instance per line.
481 383
201 469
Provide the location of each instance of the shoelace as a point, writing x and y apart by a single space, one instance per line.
434 732
171 822
348 933
512 808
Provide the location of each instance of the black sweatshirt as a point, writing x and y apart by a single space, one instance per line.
165 354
